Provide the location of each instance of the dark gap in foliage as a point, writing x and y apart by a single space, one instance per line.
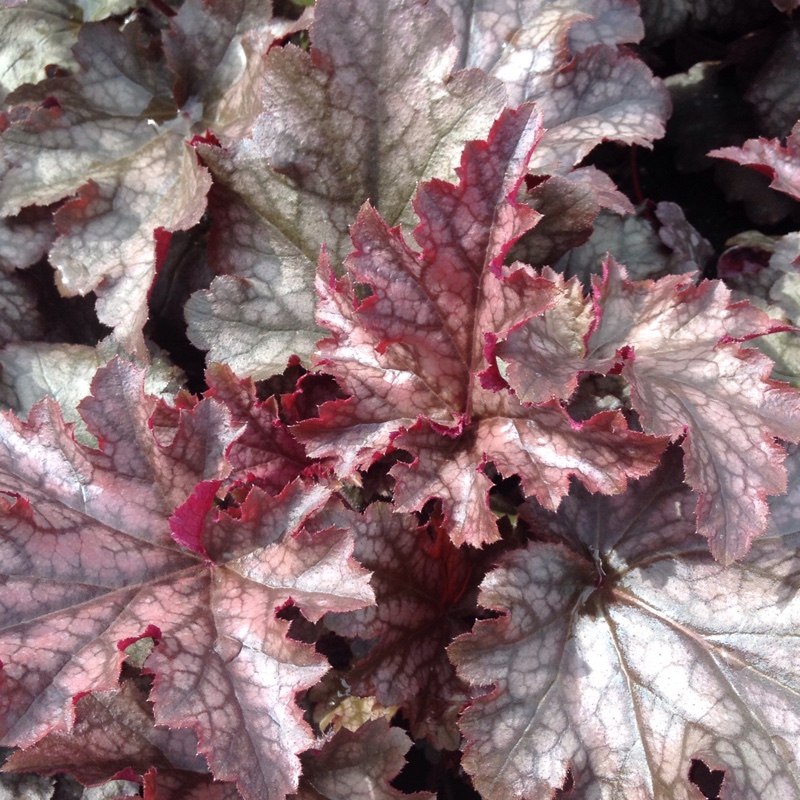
289 9
182 270
430 770
506 495
708 781
284 383
567 787
69 320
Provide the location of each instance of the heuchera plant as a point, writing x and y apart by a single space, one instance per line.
477 463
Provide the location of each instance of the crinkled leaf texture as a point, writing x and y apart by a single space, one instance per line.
410 354
623 651
368 112
424 592
110 139
565 57
357 765
91 562
676 345
113 732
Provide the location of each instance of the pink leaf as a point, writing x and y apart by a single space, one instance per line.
623 651
768 156
380 109
677 346
89 563
113 731
414 350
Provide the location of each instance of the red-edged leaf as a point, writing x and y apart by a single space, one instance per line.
379 110
414 347
624 651
768 156
113 731
357 765
89 566
689 378
265 453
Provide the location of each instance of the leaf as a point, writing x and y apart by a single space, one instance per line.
38 33
357 765
423 590
527 41
564 56
34 370
113 731
92 136
265 453
90 566
769 157
677 346
569 205
177 785
409 355
216 50
623 651
626 104
379 110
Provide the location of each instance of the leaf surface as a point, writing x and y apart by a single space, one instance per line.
423 589
357 765
379 110
113 731
768 156
623 651
92 562
677 346
410 354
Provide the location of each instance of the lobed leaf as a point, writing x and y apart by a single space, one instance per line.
379 110
623 652
677 347
410 354
89 566
768 156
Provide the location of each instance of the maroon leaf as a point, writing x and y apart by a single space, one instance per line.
176 785
414 347
424 593
265 453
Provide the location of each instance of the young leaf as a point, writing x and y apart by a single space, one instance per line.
265 453
623 652
768 156
413 350
677 345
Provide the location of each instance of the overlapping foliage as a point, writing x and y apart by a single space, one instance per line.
477 462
